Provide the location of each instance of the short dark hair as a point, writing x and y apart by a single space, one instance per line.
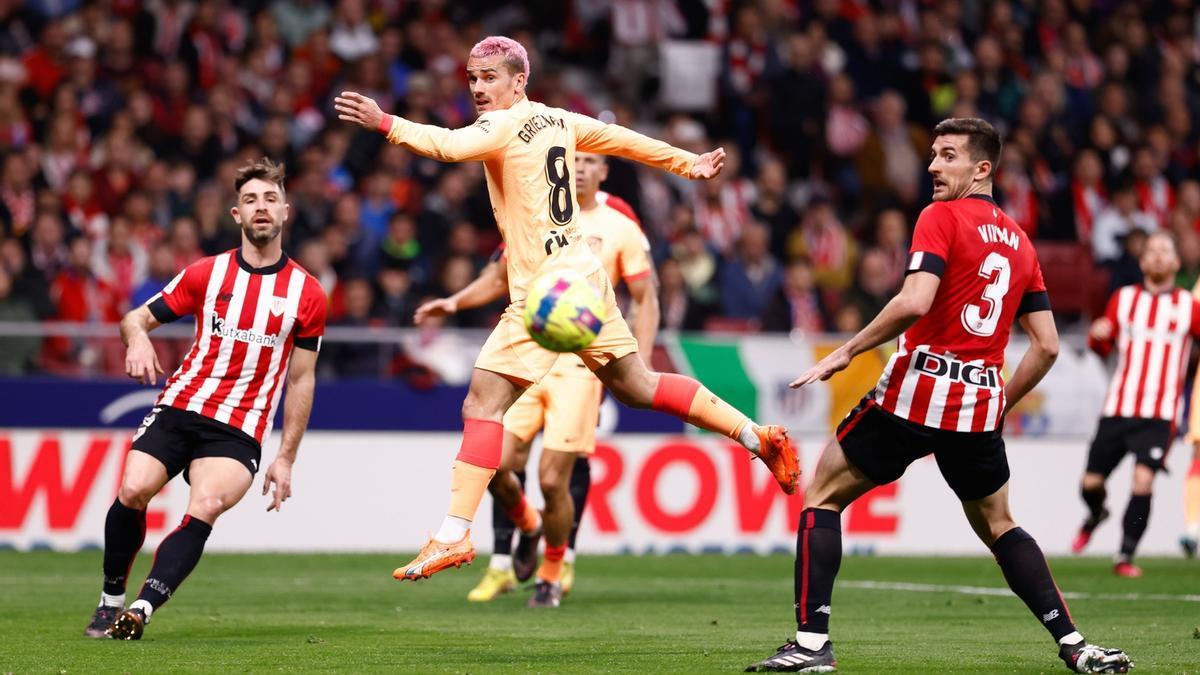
983 141
263 169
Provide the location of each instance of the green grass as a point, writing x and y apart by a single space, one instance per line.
259 613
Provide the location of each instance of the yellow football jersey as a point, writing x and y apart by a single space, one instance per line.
528 152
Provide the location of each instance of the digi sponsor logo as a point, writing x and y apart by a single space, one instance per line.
975 374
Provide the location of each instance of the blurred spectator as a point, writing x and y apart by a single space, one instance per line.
376 206
750 279
401 245
749 57
1125 270
396 301
891 240
16 353
678 309
1076 205
638 28
823 239
160 270
1155 195
79 296
892 159
1117 221
185 242
1015 190
47 246
873 284
352 37
798 105
1189 203
771 206
797 306
83 209
297 19
27 282
1189 259
120 262
723 205
17 198
355 359
698 267
456 272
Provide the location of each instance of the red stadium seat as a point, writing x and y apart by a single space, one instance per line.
1070 276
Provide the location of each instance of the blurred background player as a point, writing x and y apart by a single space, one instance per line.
565 404
1152 324
525 148
941 393
252 305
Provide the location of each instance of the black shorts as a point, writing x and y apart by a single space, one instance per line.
1148 439
882 445
175 437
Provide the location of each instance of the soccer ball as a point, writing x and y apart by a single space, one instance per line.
563 311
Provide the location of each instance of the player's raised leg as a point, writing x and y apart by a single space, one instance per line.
124 534
635 385
478 458
554 475
218 483
1137 516
1025 569
1093 492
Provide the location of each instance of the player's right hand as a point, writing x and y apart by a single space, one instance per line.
836 361
352 106
141 362
1102 329
435 308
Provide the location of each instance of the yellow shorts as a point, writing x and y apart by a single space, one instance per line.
565 407
510 351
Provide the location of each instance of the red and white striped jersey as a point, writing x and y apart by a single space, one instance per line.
945 373
1153 333
247 321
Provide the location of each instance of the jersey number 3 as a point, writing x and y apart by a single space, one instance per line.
982 319
558 175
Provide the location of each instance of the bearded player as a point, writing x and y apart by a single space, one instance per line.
941 393
528 151
259 317
565 405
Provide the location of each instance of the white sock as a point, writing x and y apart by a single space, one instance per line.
145 606
500 562
569 556
453 529
1073 639
107 600
1193 530
811 641
748 438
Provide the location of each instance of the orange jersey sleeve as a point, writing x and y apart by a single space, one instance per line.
490 133
592 135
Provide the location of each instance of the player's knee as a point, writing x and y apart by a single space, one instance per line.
136 494
1143 480
635 390
1092 481
555 485
475 408
207 507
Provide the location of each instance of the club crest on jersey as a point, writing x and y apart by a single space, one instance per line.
974 374
278 304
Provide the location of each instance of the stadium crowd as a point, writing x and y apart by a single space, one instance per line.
122 122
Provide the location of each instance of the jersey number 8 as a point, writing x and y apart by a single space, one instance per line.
974 318
558 175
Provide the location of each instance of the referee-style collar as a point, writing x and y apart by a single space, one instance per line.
273 268
986 198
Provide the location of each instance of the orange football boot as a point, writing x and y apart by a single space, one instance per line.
775 449
436 556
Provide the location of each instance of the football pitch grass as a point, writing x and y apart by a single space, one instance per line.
674 613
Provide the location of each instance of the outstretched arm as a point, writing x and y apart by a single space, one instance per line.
446 145
141 361
592 135
902 311
1043 350
491 284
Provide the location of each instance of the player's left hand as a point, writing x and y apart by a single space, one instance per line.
709 164
361 110
279 473
836 361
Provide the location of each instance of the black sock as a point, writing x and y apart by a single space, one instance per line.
175 559
503 526
581 482
1137 515
1095 501
124 534
818 557
1028 575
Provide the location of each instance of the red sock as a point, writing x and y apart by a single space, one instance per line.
523 516
1195 470
552 563
692 402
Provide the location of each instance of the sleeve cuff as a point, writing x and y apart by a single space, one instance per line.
637 275
924 261
1037 301
161 311
312 344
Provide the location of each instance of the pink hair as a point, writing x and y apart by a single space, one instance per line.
515 56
